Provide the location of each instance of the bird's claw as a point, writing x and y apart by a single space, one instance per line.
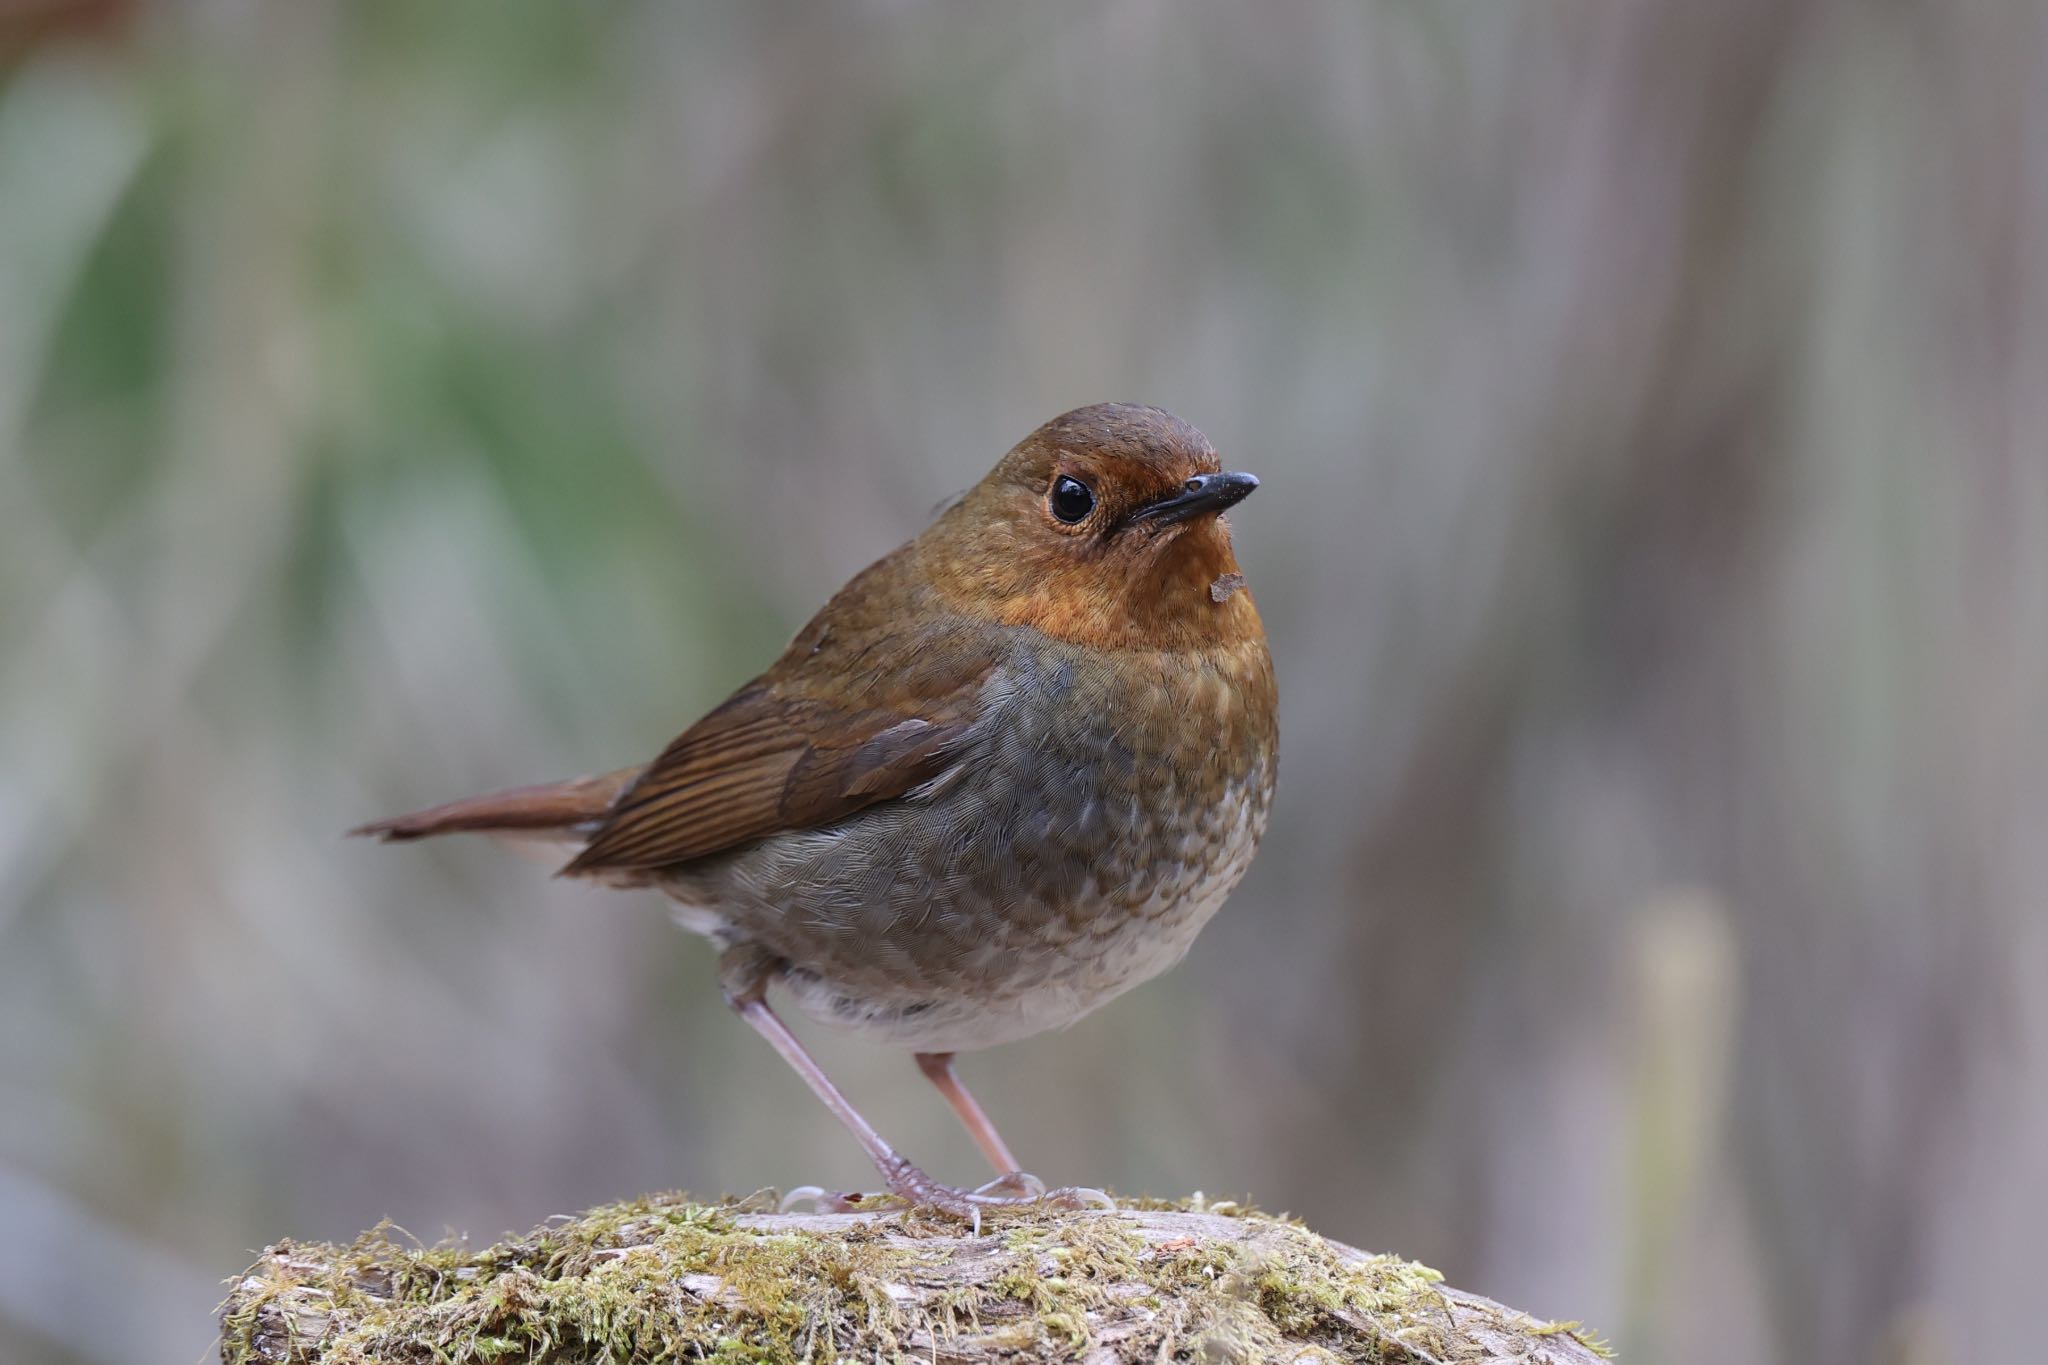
1021 1189
1079 1197
1026 1191
823 1200
911 1186
815 1195
1018 1184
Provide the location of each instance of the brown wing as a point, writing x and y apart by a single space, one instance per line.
787 753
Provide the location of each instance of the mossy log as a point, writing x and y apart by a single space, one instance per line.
666 1279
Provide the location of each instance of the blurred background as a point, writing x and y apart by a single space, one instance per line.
400 400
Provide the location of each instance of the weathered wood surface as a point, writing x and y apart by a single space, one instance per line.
669 1279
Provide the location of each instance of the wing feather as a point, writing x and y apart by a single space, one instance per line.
787 753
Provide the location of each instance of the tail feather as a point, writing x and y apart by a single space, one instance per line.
552 808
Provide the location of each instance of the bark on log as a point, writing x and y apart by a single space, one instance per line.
668 1279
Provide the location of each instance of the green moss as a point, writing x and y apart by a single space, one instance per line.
1577 1331
668 1279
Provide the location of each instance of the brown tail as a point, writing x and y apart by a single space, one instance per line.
552 807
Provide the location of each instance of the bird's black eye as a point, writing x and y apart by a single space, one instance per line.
1070 499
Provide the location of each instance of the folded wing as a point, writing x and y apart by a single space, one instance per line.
797 749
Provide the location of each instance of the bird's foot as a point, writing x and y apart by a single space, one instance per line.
1077 1197
1022 1187
1019 1184
820 1199
910 1185
1017 1190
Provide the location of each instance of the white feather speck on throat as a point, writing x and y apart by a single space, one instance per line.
1223 588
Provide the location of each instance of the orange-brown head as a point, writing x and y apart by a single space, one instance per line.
1104 527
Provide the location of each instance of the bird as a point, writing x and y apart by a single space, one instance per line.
1006 774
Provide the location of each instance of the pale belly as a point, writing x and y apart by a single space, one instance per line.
1055 868
1020 985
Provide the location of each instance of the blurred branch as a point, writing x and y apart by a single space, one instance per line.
668 1279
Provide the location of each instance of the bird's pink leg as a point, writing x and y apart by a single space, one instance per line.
745 990
938 1069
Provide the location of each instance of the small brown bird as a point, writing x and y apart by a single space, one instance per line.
1004 776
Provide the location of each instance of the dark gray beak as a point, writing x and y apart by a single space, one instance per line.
1203 495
